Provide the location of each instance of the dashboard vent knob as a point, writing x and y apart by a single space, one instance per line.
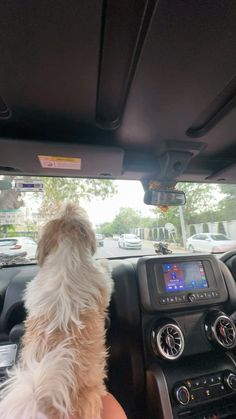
221 330
168 341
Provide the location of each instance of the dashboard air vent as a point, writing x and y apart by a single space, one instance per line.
221 330
225 332
168 341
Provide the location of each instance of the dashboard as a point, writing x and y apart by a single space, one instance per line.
171 334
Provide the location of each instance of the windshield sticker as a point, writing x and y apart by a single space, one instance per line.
52 162
22 185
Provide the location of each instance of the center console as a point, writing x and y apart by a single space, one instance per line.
188 336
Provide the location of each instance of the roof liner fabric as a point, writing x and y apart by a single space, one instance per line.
50 54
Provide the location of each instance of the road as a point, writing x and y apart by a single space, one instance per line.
111 249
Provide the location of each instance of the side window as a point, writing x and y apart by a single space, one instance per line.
202 237
196 237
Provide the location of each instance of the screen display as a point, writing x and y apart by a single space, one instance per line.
184 276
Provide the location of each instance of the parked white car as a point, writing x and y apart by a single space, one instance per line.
129 241
14 245
211 243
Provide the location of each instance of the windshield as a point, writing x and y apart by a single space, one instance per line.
124 225
6 242
218 237
130 236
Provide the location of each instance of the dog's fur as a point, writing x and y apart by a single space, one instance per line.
61 369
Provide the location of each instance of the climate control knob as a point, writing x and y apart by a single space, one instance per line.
230 380
182 395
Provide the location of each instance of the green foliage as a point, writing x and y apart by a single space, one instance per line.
11 229
126 220
106 229
148 222
200 198
7 230
171 216
227 206
201 207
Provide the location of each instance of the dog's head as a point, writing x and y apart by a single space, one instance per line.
73 226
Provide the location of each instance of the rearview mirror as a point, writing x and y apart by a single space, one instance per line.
163 197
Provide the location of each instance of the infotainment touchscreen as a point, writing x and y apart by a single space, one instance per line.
184 276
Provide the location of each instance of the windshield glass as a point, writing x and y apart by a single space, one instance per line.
6 242
218 237
124 225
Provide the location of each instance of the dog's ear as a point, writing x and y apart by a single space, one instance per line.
48 241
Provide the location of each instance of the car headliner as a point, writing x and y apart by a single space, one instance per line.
133 79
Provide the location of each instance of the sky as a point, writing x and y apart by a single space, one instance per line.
130 194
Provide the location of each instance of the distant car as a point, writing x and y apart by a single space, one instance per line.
211 243
16 245
129 241
100 240
116 237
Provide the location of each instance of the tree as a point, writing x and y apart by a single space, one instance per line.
107 229
126 219
227 205
201 206
200 198
59 190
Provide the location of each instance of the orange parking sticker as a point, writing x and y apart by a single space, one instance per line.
52 162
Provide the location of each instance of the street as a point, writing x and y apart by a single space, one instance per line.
111 249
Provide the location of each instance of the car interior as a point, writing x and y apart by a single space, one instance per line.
137 90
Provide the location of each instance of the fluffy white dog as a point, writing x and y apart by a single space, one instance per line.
62 365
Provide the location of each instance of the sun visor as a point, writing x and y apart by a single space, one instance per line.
50 159
226 174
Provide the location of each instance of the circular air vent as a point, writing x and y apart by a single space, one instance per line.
168 341
221 330
225 332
